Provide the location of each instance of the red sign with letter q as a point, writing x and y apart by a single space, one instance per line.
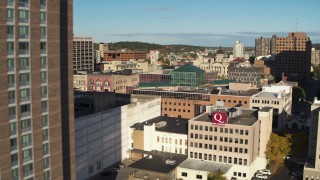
219 118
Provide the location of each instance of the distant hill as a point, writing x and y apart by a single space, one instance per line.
137 46
143 46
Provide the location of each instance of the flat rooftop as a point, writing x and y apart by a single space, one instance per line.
166 124
267 94
158 162
204 165
247 118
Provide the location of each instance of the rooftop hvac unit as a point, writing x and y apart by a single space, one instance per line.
170 161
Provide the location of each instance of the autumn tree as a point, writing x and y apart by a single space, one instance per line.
278 147
217 175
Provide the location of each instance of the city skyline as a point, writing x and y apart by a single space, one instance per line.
205 23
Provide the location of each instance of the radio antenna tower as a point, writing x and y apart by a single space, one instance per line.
297 24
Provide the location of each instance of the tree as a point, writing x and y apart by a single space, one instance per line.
300 142
278 147
297 94
217 175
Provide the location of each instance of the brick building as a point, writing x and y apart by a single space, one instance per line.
124 55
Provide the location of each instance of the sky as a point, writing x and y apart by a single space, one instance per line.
195 22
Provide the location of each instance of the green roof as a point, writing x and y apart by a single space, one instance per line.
220 82
189 68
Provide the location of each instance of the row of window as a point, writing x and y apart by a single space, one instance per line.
184 104
24 32
224 159
221 138
24 63
265 101
24 47
221 148
185 174
222 130
169 141
23 16
179 110
25 125
25 110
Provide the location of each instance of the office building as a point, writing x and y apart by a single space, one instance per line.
236 147
83 54
187 75
262 46
36 107
238 49
292 57
312 167
244 73
102 128
124 55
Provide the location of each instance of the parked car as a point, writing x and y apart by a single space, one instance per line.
262 176
265 172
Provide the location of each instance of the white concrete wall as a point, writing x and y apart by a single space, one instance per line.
172 147
105 136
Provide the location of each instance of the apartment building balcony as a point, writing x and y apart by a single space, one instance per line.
24 83
23 99
14 163
26 174
13 132
10 2
25 114
23 20
26 144
27 129
12 101
10 52
12 116
13 148
27 159
23 52
23 68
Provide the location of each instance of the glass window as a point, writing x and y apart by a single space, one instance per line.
27 169
24 63
10 15
10 64
44 91
24 79
10 48
46 162
23 16
25 124
45 134
43 77
23 47
43 32
44 106
27 153
43 17
46 175
10 31
13 128
15 173
12 112
23 31
43 62
45 148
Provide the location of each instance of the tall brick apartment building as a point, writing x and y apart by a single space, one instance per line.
36 107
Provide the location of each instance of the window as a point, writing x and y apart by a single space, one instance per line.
27 155
199 176
25 94
45 134
24 32
184 174
26 125
23 47
23 3
23 63
43 32
44 77
23 16
43 47
10 48
44 106
43 17
10 31
12 112
45 148
10 15
46 162
46 175
13 128
15 173
25 110
44 92
10 64
26 140
27 169
11 96
24 79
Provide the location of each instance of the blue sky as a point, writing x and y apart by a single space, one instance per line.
194 22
